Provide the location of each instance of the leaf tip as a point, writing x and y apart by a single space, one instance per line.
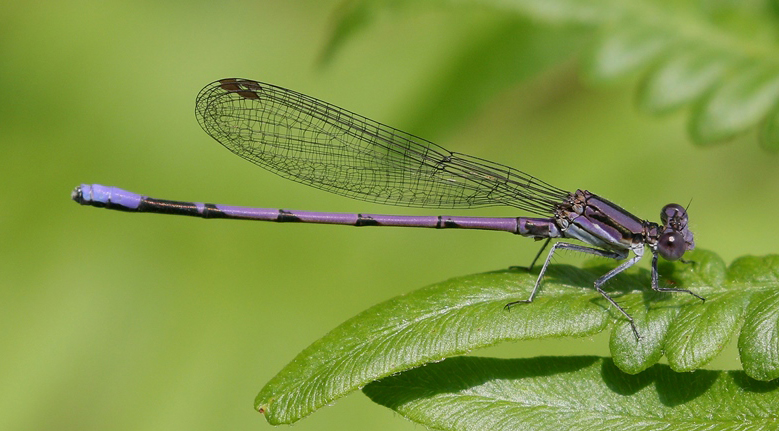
263 406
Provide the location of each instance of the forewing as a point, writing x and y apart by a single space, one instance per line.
316 143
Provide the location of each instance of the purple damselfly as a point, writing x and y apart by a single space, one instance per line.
321 145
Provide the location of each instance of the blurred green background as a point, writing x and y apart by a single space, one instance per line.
133 322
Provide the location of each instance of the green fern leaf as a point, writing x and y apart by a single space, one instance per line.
467 313
582 393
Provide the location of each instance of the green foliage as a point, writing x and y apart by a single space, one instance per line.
512 49
507 49
583 393
721 58
456 316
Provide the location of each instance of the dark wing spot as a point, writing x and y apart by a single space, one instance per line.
243 87
251 85
229 84
246 94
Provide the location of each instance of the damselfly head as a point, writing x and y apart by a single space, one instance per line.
676 238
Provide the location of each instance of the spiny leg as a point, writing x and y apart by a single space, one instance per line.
609 275
567 246
656 286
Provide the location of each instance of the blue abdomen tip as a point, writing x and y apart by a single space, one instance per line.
103 196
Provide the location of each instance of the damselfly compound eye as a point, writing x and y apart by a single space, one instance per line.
673 211
671 245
